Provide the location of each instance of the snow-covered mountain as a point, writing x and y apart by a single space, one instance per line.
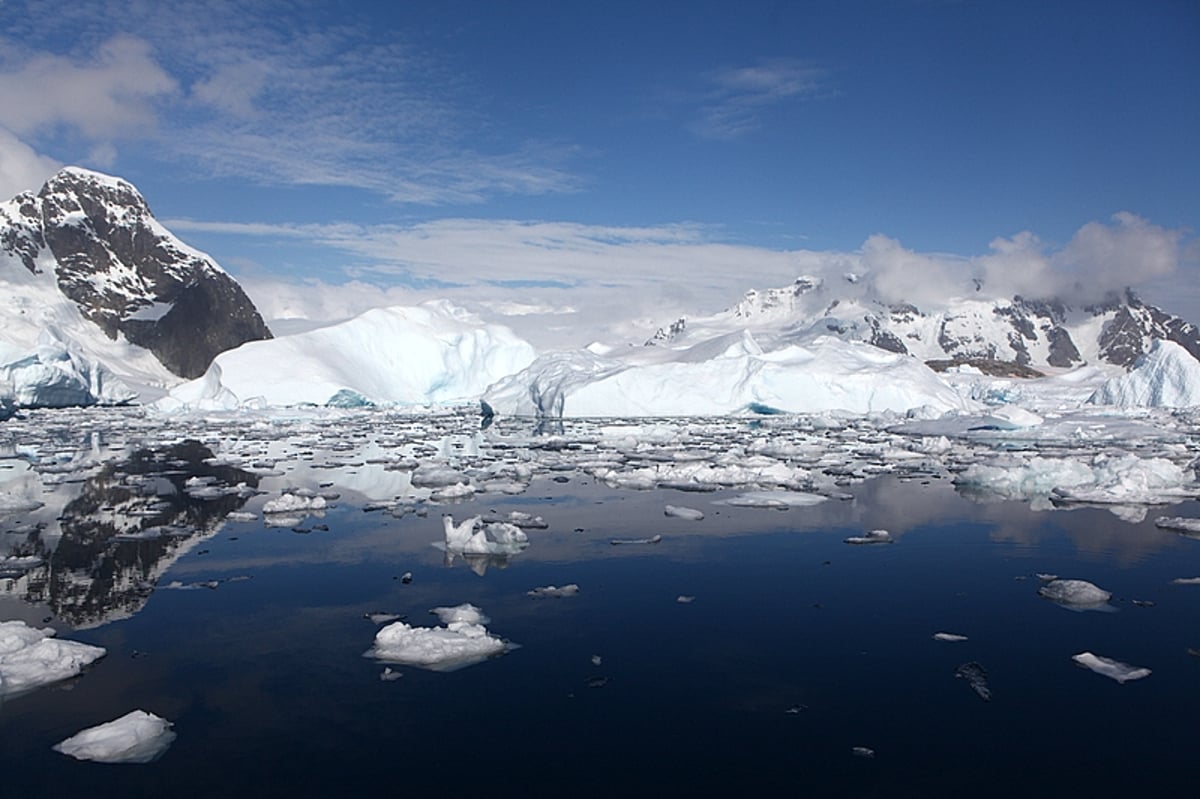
1020 331
90 281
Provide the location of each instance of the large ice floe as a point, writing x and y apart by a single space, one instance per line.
725 374
431 353
1167 376
136 737
463 641
31 657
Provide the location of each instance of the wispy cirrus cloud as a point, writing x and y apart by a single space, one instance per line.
226 89
739 99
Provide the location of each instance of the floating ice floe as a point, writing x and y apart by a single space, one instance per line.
680 512
873 537
654 539
775 499
1076 594
571 589
1186 581
463 641
290 503
473 537
952 637
1113 669
136 737
31 658
685 599
1179 524
863 752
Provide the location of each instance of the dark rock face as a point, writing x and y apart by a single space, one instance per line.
128 274
1125 337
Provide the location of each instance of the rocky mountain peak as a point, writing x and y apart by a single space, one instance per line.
126 272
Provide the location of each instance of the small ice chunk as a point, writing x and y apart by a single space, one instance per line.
31 657
240 516
464 641
597 660
383 618
136 737
949 637
389 674
1180 524
1186 581
681 512
976 677
554 591
685 599
1113 669
873 537
863 751
654 539
290 503
1076 594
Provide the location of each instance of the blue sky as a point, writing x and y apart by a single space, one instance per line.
666 157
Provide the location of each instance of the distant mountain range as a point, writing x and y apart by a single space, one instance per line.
99 303
1019 332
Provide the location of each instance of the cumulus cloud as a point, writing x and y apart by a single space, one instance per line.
21 167
113 93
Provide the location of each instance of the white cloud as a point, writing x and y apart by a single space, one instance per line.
739 98
226 89
21 167
113 93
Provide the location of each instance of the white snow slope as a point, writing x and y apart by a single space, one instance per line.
431 353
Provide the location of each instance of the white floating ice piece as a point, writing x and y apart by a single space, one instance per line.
136 737
1186 581
1113 669
464 641
554 591
31 658
953 637
873 537
680 512
654 539
1079 594
290 503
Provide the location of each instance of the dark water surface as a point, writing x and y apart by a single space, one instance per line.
265 681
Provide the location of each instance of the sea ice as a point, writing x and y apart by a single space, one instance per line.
949 637
1181 524
463 641
571 589
1075 594
290 503
873 537
136 737
1113 669
680 512
31 658
472 537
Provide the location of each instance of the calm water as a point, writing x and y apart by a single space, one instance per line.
265 681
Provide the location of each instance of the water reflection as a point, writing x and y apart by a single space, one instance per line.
129 523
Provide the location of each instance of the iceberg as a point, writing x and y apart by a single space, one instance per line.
730 373
976 677
1113 669
31 658
56 375
1167 376
136 737
431 353
463 641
